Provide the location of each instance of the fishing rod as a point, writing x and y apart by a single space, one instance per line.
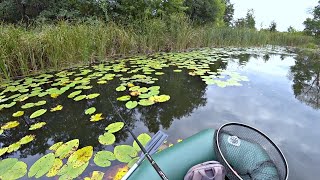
145 152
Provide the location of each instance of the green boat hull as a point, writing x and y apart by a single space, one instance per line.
178 159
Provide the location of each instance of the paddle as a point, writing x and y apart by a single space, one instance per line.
152 162
151 147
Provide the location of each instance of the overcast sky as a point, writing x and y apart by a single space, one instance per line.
284 12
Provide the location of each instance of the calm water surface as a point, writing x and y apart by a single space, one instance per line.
281 99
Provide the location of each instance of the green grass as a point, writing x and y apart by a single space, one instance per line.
53 47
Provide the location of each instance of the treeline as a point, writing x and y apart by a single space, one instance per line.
218 12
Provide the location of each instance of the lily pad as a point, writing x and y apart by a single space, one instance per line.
107 138
37 126
131 104
90 111
144 96
42 166
11 168
13 147
55 146
146 102
132 162
26 139
143 139
66 149
79 98
55 167
96 117
103 158
38 113
96 175
114 127
57 108
41 103
3 150
124 98
74 94
9 125
80 157
121 88
18 114
68 172
161 98
92 96
28 105
125 153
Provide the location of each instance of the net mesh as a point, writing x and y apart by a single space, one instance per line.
249 154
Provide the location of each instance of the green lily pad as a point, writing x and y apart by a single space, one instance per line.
121 88
41 103
3 151
28 105
55 168
74 94
37 126
134 88
79 98
18 114
132 162
144 96
143 139
38 113
90 111
41 166
26 139
131 104
13 169
55 146
153 92
159 73
13 147
161 98
66 149
114 127
107 138
125 153
177 70
9 125
92 96
103 158
80 157
146 102
67 172
143 90
154 88
9 105
124 98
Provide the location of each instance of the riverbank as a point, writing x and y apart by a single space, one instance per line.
24 52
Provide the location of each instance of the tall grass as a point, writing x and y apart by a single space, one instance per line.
23 52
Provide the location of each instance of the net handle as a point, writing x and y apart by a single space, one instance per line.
247 126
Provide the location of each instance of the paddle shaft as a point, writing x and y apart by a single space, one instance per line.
152 162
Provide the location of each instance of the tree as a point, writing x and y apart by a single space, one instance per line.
228 14
248 21
273 26
312 25
206 11
291 29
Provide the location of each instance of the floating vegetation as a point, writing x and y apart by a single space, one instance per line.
38 113
96 117
96 175
90 111
12 168
57 108
103 158
37 126
135 81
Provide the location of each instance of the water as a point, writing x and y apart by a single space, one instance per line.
281 99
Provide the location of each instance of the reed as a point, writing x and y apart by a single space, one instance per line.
53 47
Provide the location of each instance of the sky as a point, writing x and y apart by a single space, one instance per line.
284 12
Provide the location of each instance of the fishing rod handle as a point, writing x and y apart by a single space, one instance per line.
156 167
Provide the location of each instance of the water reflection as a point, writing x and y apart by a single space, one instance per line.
305 75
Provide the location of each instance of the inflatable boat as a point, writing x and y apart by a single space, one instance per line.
178 159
